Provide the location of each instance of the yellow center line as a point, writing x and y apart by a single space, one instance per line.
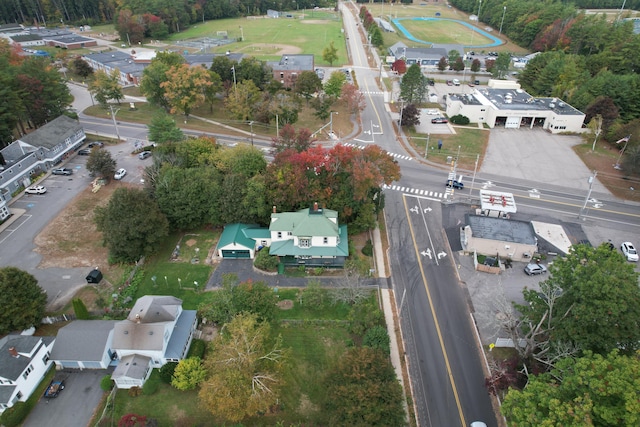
433 313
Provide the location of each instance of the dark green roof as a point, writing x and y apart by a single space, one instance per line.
306 222
239 234
286 247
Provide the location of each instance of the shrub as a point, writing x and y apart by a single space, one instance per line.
135 391
266 262
151 385
197 349
15 415
166 372
377 338
364 315
368 248
459 119
105 383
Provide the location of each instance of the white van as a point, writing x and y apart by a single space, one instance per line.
456 82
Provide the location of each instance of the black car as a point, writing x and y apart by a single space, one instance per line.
95 144
84 152
61 171
452 183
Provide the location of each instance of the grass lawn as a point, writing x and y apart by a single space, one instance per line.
268 39
472 142
314 348
165 276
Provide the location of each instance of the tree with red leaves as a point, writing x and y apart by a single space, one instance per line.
132 420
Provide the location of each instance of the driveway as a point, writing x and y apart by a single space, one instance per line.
75 405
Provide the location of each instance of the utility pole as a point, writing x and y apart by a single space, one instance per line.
475 169
251 124
586 199
115 123
235 84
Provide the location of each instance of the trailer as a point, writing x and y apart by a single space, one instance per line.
54 389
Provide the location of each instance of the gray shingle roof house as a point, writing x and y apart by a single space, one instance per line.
24 360
309 237
84 344
38 151
157 330
287 70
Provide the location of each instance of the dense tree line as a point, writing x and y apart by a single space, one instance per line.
33 93
175 15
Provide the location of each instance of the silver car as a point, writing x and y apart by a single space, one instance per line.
534 268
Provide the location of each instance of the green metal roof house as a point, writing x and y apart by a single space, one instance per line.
241 240
309 237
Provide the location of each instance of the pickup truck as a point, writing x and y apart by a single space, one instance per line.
54 389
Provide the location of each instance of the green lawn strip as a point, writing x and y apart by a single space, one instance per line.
471 142
301 311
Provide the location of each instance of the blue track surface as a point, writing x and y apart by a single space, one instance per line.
407 34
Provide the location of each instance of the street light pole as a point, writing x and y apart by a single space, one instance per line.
251 124
235 85
426 150
241 34
115 124
617 165
331 113
586 199
475 169
504 10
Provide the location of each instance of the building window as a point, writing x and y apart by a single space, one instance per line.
19 395
305 243
279 234
325 240
45 359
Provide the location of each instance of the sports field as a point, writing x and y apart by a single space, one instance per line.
445 31
268 38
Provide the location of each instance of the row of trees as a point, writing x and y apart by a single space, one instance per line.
197 182
247 88
33 93
581 336
172 16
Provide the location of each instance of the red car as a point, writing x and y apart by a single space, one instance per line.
440 120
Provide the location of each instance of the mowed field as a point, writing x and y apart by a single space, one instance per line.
444 32
268 39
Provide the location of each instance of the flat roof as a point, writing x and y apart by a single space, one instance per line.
514 99
497 201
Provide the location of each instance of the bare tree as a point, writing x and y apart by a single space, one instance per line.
349 288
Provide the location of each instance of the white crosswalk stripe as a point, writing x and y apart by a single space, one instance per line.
394 155
371 92
426 193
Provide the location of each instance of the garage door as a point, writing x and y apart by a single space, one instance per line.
70 364
512 123
236 254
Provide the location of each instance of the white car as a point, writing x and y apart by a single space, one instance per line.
120 173
36 189
630 252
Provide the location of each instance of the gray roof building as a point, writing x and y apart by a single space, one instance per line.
84 341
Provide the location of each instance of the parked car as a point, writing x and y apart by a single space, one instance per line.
452 183
143 155
535 268
120 173
449 83
476 82
456 82
431 82
36 189
432 112
84 152
439 120
62 171
629 251
95 144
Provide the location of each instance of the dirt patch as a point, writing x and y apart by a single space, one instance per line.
313 21
285 304
272 49
603 160
71 239
191 242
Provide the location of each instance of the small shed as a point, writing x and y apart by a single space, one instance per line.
95 276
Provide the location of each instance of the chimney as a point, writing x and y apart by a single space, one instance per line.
13 352
274 209
315 206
